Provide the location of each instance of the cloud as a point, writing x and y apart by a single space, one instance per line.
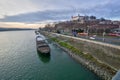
19 25
53 10
108 9
39 16
15 7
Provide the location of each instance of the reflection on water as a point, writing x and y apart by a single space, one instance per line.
44 58
49 41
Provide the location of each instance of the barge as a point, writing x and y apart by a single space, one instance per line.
42 46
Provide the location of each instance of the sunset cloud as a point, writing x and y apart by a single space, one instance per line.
20 25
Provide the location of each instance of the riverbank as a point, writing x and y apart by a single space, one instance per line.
14 29
102 69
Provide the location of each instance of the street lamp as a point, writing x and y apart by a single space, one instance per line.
87 31
104 35
119 32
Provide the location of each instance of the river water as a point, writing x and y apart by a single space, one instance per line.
19 60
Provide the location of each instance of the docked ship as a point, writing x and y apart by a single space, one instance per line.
42 46
36 32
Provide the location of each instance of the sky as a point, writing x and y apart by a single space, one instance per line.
41 11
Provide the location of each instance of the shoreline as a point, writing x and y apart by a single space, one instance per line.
95 69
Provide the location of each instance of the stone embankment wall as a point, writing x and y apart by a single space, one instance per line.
107 55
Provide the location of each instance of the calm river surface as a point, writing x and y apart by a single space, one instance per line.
19 60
